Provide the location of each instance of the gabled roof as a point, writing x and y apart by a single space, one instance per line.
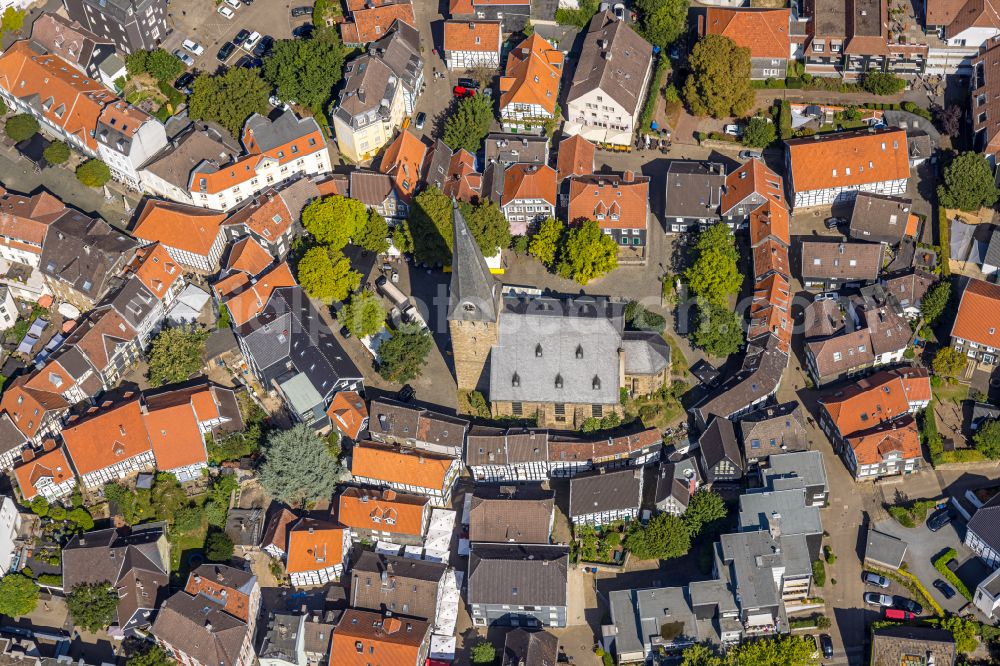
367 25
314 545
472 293
621 76
770 256
276 533
978 316
534 68
189 228
718 443
605 491
615 202
843 353
576 157
873 445
884 396
382 510
348 413
403 161
49 468
985 523
67 39
481 36
394 421
529 181
174 425
84 252
405 586
382 639
248 256
522 646
27 407
100 335
155 268
272 213
763 31
394 464
106 437
225 585
881 219
250 299
848 159
25 221
517 575
842 261
769 222
202 629
515 514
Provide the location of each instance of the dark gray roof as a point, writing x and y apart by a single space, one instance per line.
899 644
823 318
835 260
134 302
400 50
439 165
910 286
195 144
514 514
759 376
369 86
517 575
10 437
395 421
370 187
879 219
472 294
638 615
245 526
607 491
677 480
992 256
622 75
985 523
884 549
800 469
287 127
754 555
782 423
694 189
399 585
495 446
200 628
718 443
537 648
84 252
787 508
983 411
509 149
280 640
646 352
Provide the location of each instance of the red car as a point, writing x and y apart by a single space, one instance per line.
896 614
461 91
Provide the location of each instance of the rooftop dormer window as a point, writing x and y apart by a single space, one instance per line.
579 351
559 381
538 351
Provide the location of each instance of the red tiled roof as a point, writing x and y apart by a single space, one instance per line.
529 181
363 508
576 157
24 221
384 641
770 256
752 176
463 181
107 437
763 31
534 68
856 158
367 25
189 228
978 317
348 413
248 256
769 221
871 446
27 406
393 464
614 202
883 396
155 268
49 465
403 161
175 436
314 545
235 601
483 36
248 303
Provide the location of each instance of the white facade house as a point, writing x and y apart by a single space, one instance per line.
10 526
8 309
472 44
987 597
144 462
126 139
954 54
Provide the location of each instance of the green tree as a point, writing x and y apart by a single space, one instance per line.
719 82
297 467
483 652
327 275
698 654
93 173
218 547
3 108
94 606
153 655
663 538
490 228
714 275
56 152
135 62
779 651
163 66
545 242
964 631
968 183
374 233
12 20
948 362
306 70
21 127
883 83
82 518
364 315
188 518
706 506
718 330
215 513
662 21
935 301
403 356
759 133
57 513
334 220
176 354
40 506
987 440
469 124
229 98
588 253
18 595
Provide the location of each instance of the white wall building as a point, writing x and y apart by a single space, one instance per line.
472 44
10 525
126 139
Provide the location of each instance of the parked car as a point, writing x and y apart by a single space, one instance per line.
421 120
751 154
876 599
226 51
226 11
406 393
939 519
834 222
903 603
193 46
827 296
241 37
619 10
184 81
248 62
896 614
468 83
874 579
235 4
462 91
301 11
184 57
944 588
304 31
344 333
826 643
733 130
264 47
252 40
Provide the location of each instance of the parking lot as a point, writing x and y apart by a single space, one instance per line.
202 23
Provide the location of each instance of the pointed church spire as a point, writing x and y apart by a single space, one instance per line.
472 296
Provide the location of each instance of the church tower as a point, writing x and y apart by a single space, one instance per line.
473 309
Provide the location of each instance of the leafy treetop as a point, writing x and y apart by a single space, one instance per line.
968 183
297 467
588 253
719 82
176 354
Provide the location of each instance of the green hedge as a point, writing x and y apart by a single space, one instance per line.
659 77
819 573
911 583
931 436
944 243
51 580
911 514
941 564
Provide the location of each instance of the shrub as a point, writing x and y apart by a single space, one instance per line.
22 126
941 564
819 573
50 580
828 555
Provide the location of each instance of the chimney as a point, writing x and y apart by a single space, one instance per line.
389 495
27 455
628 176
774 525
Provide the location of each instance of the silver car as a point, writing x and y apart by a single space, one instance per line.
876 580
184 58
876 599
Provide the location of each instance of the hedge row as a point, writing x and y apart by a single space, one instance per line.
659 77
944 243
911 583
941 564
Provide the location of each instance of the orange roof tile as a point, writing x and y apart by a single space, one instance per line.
122 117
50 465
276 533
348 413
267 216
576 157
231 284
753 177
314 545
770 256
174 434
529 181
403 160
100 334
51 377
367 25
236 602
464 182
179 226
248 256
534 68
871 446
978 317
912 223
248 303
24 221
367 509
614 201
155 268
856 158
385 641
27 406
205 403
763 31
392 464
69 100
880 397
482 36
106 437
769 221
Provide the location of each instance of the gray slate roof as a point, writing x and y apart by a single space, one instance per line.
985 523
646 352
195 144
620 76
694 189
84 251
287 127
368 82
517 575
640 614
879 219
608 491
400 50
781 423
472 294
522 647
718 443
676 480
201 628
800 469
516 148
753 556
884 549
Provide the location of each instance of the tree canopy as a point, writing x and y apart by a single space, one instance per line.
94 606
935 301
327 275
374 234
882 83
218 547
56 152
662 21
968 183
158 63
489 227
364 315
176 354
719 82
759 133
469 124
403 356
334 220
718 330
18 595
587 253
964 631
229 98
777 651
714 275
948 362
12 19
154 655
545 242
483 652
93 173
20 127
297 468
987 440
706 506
429 230
306 70
663 538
